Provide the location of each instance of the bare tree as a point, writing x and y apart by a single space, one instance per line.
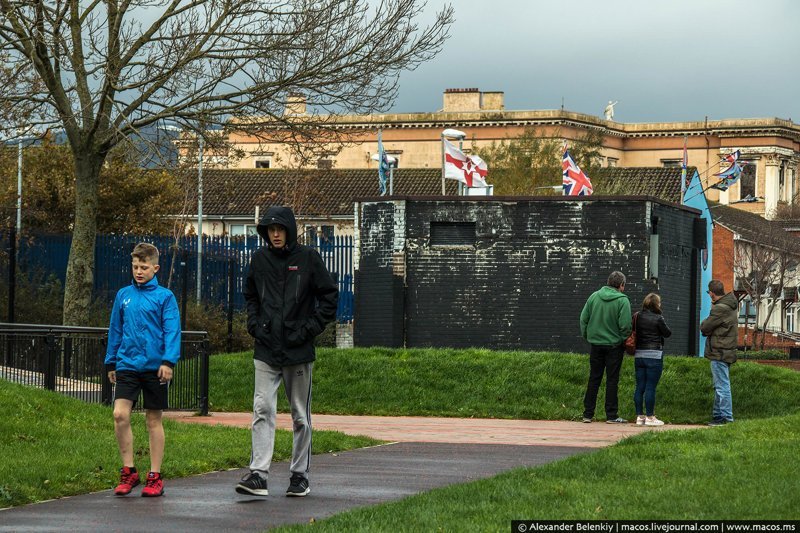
104 71
763 269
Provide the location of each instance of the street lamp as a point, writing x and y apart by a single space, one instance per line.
19 183
200 149
200 146
452 134
391 160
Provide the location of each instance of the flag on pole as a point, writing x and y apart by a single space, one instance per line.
383 165
685 162
468 169
575 182
730 175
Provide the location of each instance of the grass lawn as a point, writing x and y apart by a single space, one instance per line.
53 446
483 383
736 472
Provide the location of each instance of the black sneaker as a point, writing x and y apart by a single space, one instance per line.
253 484
618 420
298 486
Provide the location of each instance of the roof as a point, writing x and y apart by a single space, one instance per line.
750 226
661 182
313 192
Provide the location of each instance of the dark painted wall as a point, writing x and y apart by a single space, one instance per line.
521 282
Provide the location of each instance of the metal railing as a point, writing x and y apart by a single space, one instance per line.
69 360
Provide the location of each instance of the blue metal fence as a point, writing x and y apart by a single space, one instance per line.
49 253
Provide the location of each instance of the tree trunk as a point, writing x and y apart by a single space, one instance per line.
80 267
770 310
755 324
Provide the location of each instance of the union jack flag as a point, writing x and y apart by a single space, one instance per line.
575 181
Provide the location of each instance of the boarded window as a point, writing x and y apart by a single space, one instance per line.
452 233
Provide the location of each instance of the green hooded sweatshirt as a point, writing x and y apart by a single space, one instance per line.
606 317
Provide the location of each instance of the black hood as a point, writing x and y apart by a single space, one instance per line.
282 216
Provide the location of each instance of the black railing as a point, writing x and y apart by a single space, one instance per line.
69 360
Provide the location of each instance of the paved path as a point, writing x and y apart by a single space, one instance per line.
426 453
339 482
457 430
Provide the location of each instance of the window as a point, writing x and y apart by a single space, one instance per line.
747 183
782 182
240 230
452 233
325 164
747 309
319 234
263 163
671 163
611 161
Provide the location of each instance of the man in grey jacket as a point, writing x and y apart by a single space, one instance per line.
721 330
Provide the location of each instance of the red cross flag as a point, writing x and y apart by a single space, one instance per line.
470 170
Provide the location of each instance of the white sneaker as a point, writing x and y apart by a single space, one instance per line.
640 420
653 421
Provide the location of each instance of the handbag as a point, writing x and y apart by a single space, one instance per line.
630 342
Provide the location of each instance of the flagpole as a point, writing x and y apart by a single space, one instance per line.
442 143
684 165
461 149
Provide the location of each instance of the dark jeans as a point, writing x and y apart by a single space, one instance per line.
608 359
648 372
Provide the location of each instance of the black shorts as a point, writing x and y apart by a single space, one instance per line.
154 393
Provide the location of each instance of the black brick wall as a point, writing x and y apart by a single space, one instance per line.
524 280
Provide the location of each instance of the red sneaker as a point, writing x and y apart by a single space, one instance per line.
154 486
127 480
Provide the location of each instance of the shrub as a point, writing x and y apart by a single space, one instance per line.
762 354
214 320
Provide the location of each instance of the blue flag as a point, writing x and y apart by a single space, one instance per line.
383 165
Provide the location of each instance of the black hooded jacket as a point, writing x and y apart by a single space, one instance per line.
290 295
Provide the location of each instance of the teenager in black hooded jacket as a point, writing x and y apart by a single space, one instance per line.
290 297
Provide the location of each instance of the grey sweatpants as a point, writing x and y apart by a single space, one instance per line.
297 382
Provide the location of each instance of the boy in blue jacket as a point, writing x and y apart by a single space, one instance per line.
144 343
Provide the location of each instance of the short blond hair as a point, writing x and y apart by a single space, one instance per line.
144 251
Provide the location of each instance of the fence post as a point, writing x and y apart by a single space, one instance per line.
231 288
67 357
106 390
50 362
204 363
184 286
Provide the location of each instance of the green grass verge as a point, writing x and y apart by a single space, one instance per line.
735 472
519 385
53 446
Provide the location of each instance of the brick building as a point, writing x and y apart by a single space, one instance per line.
514 273
770 146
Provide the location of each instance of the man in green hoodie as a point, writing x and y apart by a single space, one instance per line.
605 324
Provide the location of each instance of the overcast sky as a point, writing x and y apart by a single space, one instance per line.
663 60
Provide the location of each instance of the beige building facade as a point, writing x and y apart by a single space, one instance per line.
769 146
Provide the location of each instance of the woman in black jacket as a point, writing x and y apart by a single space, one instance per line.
651 329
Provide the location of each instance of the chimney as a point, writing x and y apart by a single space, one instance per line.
462 100
492 101
295 104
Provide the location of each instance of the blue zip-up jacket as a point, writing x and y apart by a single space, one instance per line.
145 329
